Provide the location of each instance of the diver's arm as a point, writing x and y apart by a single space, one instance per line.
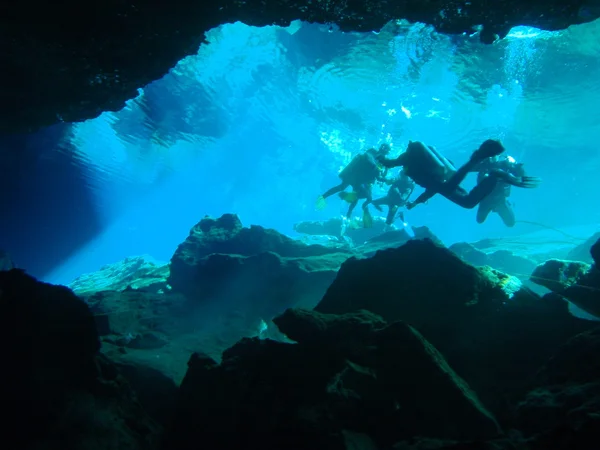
517 170
391 163
406 194
425 196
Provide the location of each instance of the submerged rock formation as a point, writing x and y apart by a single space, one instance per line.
410 349
487 327
57 390
251 268
503 260
349 376
66 62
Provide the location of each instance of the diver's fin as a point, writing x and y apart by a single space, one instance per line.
348 196
488 149
367 219
321 203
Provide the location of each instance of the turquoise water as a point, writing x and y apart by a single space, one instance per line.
261 120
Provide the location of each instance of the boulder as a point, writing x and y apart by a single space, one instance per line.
351 378
595 252
223 262
562 411
493 333
576 281
60 392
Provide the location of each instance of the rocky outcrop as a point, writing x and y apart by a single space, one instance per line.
68 63
348 378
134 272
58 391
503 260
257 268
576 281
487 327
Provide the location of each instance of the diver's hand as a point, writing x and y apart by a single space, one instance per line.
529 182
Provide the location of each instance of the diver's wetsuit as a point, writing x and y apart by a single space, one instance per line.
397 196
360 174
497 201
430 170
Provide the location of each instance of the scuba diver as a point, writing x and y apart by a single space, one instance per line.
432 171
497 201
401 188
360 174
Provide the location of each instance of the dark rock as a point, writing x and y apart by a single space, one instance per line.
562 410
350 378
134 312
67 63
251 267
576 281
493 341
595 252
156 391
60 392
583 252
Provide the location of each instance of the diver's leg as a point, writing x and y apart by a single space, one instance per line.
462 172
471 199
351 208
425 196
391 214
484 188
334 190
378 203
506 213
483 212
487 149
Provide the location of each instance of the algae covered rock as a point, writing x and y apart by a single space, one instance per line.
352 377
576 281
135 272
221 261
